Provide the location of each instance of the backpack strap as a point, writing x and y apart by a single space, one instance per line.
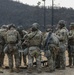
47 40
33 36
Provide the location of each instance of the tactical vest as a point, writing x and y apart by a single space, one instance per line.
36 40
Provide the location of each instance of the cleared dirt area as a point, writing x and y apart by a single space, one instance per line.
68 71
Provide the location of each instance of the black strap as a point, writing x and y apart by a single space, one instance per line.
47 40
33 36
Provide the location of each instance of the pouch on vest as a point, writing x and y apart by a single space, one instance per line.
11 36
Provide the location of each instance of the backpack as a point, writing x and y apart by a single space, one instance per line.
12 36
3 33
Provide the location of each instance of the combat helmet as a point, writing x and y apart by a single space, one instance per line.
48 28
12 25
4 27
35 26
62 23
72 24
20 28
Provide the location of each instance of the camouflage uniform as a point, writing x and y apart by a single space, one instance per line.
12 49
35 38
1 52
22 34
57 56
63 38
25 48
50 53
71 45
54 48
3 31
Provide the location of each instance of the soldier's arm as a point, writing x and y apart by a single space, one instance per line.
19 38
70 35
25 36
62 36
41 42
26 39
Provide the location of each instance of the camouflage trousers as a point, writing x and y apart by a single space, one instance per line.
57 62
34 52
62 58
24 58
49 59
71 55
1 55
24 55
51 56
13 50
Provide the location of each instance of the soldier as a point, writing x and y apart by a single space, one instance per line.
34 38
63 38
50 47
47 51
71 45
57 57
22 33
13 41
2 44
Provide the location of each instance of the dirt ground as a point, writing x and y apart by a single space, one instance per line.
68 71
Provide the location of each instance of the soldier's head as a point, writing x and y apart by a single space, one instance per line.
72 26
61 24
35 26
4 27
20 28
12 26
48 28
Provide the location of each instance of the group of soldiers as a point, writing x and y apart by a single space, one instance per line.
18 42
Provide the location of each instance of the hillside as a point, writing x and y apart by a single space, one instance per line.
21 14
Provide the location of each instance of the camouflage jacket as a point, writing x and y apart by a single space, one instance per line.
71 37
62 35
35 38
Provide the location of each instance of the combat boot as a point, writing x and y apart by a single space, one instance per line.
1 70
71 66
11 70
62 68
39 71
17 70
48 70
29 70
